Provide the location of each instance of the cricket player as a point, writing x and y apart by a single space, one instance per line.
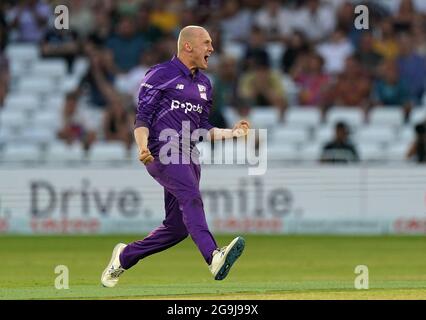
172 93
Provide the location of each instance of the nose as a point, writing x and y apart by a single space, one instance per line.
211 49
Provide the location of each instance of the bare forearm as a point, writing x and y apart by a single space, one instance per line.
141 137
220 134
240 129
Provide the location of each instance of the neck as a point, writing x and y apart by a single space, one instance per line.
186 61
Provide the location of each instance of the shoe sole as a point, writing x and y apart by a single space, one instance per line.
114 253
232 256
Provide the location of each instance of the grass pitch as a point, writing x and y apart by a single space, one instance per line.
271 267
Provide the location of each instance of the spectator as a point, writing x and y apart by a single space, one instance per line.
313 83
28 20
164 15
340 149
316 20
351 88
236 22
263 86
81 18
130 82
275 20
419 35
386 44
102 28
117 123
335 51
255 48
76 124
412 68
345 22
128 7
389 90
417 150
4 67
225 91
125 46
61 44
150 33
98 65
366 54
403 20
297 46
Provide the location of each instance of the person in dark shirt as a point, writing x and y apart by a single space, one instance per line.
61 44
340 149
417 149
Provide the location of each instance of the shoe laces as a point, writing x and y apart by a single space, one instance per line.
115 273
220 251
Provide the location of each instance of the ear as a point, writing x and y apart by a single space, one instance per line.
188 47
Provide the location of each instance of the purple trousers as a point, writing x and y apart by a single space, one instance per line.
184 214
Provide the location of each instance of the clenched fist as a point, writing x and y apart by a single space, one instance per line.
241 128
145 156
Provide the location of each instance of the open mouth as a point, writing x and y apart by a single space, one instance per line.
206 59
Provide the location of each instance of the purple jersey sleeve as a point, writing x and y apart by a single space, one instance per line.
149 97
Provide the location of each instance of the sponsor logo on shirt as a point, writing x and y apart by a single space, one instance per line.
202 90
180 86
187 106
147 85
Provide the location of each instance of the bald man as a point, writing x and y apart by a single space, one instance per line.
171 94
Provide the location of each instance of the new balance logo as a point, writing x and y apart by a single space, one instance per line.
180 86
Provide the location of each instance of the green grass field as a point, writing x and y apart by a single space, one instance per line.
272 267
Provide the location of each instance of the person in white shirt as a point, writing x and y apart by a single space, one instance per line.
275 20
335 51
316 20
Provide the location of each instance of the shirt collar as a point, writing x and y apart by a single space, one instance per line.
176 61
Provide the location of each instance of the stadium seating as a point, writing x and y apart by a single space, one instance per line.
311 151
290 135
55 68
263 117
10 118
103 152
283 152
371 152
396 152
304 116
48 119
350 115
324 133
27 102
17 153
36 85
388 115
418 115
23 52
375 134
59 153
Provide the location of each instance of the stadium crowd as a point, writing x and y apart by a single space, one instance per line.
318 49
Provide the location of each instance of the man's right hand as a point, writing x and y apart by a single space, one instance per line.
145 156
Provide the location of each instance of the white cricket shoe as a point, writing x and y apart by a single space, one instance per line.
224 258
113 270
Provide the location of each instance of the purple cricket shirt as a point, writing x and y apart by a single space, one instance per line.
169 95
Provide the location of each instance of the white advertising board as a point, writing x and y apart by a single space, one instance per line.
329 200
